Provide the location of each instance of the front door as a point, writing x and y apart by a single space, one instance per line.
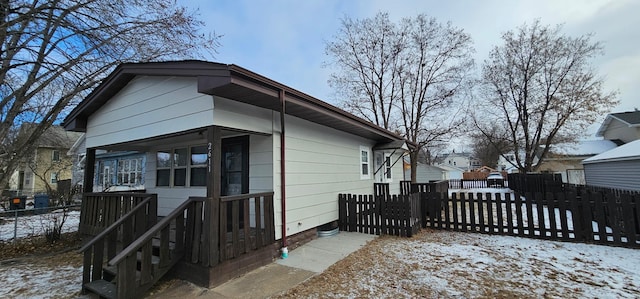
235 166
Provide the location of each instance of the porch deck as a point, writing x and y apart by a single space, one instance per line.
204 232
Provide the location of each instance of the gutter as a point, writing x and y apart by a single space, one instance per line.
283 205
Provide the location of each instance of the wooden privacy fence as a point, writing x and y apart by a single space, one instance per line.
390 214
535 182
591 217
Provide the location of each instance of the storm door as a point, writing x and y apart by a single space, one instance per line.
235 166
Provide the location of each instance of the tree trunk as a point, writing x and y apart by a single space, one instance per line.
413 157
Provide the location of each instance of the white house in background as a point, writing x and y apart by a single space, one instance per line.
464 161
216 130
507 162
426 173
618 168
622 127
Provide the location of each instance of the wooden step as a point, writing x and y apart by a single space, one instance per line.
102 288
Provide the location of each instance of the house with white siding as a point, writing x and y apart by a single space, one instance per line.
618 168
621 127
226 134
426 173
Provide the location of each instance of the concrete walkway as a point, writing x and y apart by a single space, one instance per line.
304 262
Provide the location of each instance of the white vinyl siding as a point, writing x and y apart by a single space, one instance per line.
147 107
233 114
320 163
168 198
614 174
260 164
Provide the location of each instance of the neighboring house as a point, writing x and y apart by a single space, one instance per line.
507 163
566 158
42 169
115 171
216 130
622 127
464 161
77 153
426 173
617 168
119 171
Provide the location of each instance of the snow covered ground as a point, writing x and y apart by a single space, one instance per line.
433 264
445 264
35 225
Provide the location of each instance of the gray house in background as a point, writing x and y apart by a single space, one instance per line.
618 168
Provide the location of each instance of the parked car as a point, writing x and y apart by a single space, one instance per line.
495 179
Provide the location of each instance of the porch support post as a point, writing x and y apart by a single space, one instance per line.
89 170
212 212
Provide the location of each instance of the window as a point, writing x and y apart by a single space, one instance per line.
387 166
198 165
174 168
130 172
163 164
364 163
54 178
55 156
180 167
105 175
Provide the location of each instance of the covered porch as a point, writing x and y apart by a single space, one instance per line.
223 213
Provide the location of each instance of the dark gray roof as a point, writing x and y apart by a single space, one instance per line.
630 117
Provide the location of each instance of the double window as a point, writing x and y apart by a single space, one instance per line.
182 167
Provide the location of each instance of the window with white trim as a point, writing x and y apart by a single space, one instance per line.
365 163
54 178
198 166
55 155
387 167
383 167
130 172
182 167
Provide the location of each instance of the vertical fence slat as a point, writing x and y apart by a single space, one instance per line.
499 213
509 210
490 225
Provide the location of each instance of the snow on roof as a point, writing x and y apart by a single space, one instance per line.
583 148
629 151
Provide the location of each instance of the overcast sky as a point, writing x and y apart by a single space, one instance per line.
285 40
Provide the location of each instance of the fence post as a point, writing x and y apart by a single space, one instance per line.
15 228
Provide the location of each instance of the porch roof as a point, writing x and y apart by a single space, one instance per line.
232 82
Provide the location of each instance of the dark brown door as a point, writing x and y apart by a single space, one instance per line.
235 166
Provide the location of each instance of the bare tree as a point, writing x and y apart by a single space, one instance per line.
404 77
540 88
54 52
487 148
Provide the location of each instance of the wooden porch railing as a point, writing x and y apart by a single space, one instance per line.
246 223
140 251
153 266
119 234
100 210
